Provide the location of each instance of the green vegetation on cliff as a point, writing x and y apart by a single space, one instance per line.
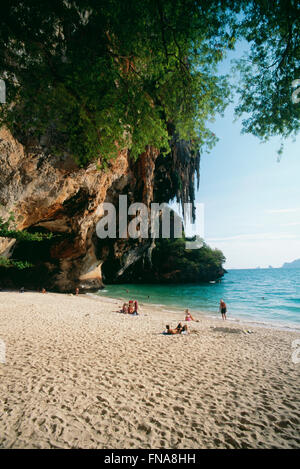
96 76
8 231
106 75
88 78
170 262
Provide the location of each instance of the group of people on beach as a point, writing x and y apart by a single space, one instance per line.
180 329
131 307
43 290
188 317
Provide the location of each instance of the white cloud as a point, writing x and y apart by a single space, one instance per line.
284 210
254 237
296 223
244 254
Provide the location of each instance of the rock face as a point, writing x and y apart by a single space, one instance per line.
44 191
51 193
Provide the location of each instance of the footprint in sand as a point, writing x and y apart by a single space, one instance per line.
145 428
179 409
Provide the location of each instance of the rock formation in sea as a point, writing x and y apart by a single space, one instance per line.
292 265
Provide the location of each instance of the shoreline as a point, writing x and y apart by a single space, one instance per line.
78 374
290 327
210 315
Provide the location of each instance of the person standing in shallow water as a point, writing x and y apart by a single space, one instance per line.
223 309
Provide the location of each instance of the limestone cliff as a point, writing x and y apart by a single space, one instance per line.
53 194
46 192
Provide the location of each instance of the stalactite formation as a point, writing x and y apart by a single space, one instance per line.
177 174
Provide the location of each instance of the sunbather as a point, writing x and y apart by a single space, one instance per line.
130 307
189 317
179 329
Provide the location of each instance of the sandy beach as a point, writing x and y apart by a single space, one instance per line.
77 374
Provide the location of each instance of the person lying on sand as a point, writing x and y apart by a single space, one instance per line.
124 308
189 317
179 329
182 328
171 331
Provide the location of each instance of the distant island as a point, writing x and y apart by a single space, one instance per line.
292 265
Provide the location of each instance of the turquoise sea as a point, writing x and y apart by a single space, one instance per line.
264 296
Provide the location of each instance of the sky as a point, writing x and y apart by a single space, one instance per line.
251 200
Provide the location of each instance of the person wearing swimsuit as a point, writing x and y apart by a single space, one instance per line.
178 330
223 309
188 316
